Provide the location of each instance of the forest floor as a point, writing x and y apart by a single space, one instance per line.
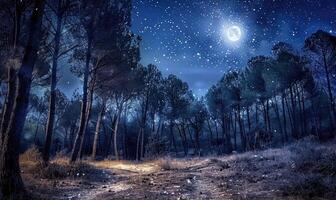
283 173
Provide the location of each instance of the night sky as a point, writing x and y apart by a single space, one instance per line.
189 38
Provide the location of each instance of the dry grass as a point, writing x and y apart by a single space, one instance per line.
58 168
313 170
31 156
136 167
309 157
305 170
168 163
310 186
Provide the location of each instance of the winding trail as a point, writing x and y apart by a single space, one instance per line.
254 175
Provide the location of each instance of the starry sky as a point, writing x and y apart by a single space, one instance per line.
188 38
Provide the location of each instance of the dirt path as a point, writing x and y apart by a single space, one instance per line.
195 179
201 179
270 174
251 176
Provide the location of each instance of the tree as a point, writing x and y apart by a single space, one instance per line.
289 77
88 18
96 135
320 48
10 178
111 52
212 99
197 116
70 120
61 9
38 106
176 92
151 82
12 15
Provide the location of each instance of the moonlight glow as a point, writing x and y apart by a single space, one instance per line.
234 33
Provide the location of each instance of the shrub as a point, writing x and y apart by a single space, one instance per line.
308 186
31 155
220 163
313 170
167 164
60 170
307 157
51 171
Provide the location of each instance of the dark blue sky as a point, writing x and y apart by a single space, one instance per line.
188 37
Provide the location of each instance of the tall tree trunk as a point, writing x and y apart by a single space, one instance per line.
300 110
52 99
96 136
256 114
37 129
183 140
191 137
294 133
17 25
276 109
125 135
65 140
172 137
10 100
138 145
289 115
210 130
265 116
143 120
197 141
115 144
10 179
217 136
268 116
1 103
304 114
142 142
235 130
228 135
331 98
81 130
284 117
248 118
315 126
73 128
224 142
87 119
109 140
242 137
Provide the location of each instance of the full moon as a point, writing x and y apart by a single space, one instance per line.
234 33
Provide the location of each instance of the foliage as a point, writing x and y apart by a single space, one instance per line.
32 155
